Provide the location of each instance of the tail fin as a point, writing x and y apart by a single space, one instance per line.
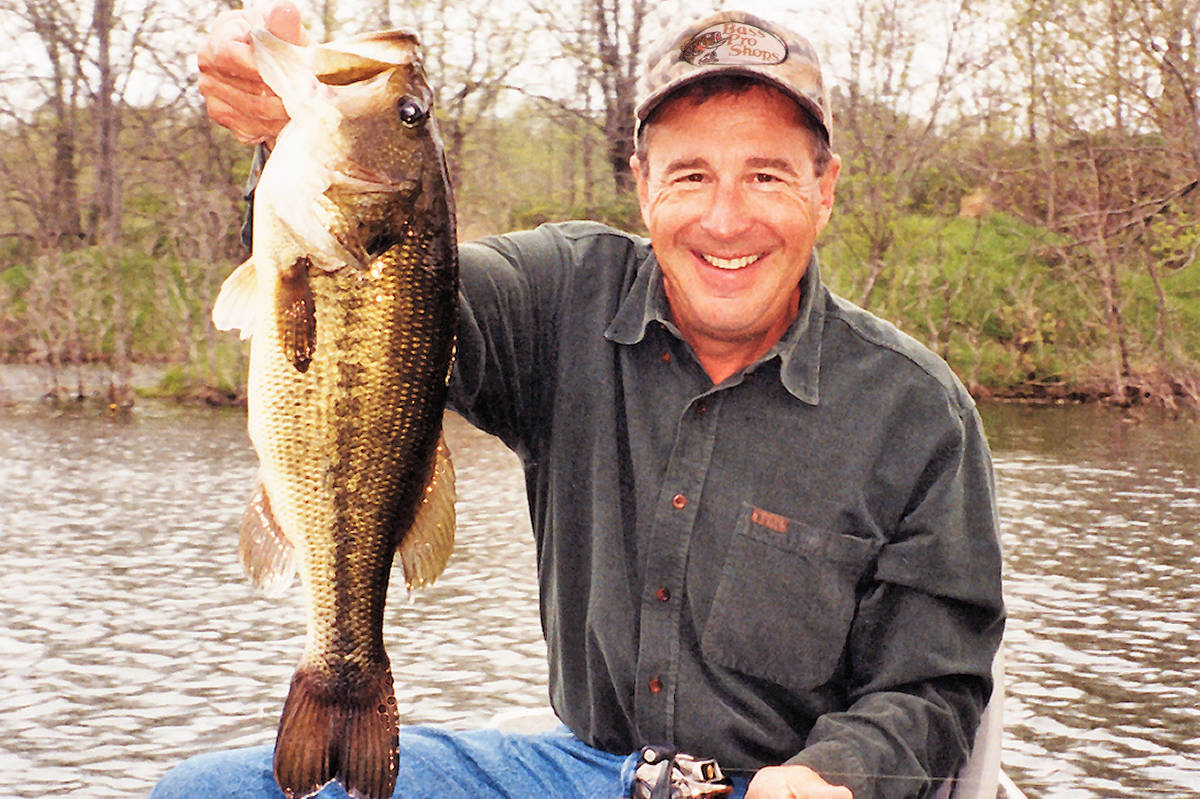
334 730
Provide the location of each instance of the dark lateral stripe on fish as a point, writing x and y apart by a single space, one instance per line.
330 729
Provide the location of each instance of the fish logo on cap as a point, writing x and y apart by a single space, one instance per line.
734 43
703 48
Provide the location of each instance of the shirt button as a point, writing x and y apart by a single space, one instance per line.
663 594
679 502
666 357
655 685
701 408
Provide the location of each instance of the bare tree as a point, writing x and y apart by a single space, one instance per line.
603 43
902 103
1116 153
107 126
52 97
72 93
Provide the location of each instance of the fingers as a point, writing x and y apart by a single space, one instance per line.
793 782
226 51
234 93
251 116
283 20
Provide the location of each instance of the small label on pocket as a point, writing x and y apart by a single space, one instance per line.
771 521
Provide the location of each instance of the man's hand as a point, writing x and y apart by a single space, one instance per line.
234 92
793 782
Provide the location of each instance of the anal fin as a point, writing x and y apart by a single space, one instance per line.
266 554
425 548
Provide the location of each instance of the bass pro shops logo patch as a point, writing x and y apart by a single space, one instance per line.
734 43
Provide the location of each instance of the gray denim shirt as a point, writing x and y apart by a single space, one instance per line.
800 564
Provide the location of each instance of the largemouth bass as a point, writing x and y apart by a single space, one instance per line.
349 299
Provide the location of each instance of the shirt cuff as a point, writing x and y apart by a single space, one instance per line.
837 764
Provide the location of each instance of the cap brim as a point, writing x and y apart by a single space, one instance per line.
654 100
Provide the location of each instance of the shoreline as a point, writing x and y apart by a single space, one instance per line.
26 383
23 384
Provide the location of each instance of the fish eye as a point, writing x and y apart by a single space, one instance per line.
411 112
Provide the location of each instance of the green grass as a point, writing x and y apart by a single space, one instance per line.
993 296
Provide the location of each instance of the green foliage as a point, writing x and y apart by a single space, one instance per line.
177 380
115 305
1173 237
1006 302
221 379
529 168
987 295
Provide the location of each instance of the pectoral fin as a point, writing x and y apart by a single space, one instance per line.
295 313
426 546
266 554
234 308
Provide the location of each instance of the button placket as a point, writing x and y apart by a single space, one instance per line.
670 540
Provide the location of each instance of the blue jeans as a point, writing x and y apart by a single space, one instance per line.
439 764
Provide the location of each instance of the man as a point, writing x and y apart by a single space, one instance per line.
765 521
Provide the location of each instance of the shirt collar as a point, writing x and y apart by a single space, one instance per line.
799 349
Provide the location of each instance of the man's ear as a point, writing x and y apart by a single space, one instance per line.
828 184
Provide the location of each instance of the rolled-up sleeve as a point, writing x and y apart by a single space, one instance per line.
927 628
506 346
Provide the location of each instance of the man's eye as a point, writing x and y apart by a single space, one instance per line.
763 177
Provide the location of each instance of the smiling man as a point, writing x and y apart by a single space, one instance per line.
733 200
764 518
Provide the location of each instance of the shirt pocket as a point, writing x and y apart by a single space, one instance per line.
785 600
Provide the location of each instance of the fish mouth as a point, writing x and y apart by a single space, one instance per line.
730 264
350 175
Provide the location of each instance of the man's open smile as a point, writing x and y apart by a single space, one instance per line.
730 263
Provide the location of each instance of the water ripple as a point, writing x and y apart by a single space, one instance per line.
127 623
1102 538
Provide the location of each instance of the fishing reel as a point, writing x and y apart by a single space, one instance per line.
666 774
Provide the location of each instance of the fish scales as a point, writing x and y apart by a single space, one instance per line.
355 458
350 297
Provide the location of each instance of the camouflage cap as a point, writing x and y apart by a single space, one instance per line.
740 43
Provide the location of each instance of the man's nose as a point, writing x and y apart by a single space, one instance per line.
727 214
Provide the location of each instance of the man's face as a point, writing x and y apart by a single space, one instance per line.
733 208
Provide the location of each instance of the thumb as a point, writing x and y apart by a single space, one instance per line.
283 20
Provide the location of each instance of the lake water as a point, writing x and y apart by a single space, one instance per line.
1101 519
129 638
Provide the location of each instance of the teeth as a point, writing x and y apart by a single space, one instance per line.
730 263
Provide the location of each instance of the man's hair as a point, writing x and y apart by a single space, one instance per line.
699 91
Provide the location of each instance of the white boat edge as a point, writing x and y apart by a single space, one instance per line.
1007 789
